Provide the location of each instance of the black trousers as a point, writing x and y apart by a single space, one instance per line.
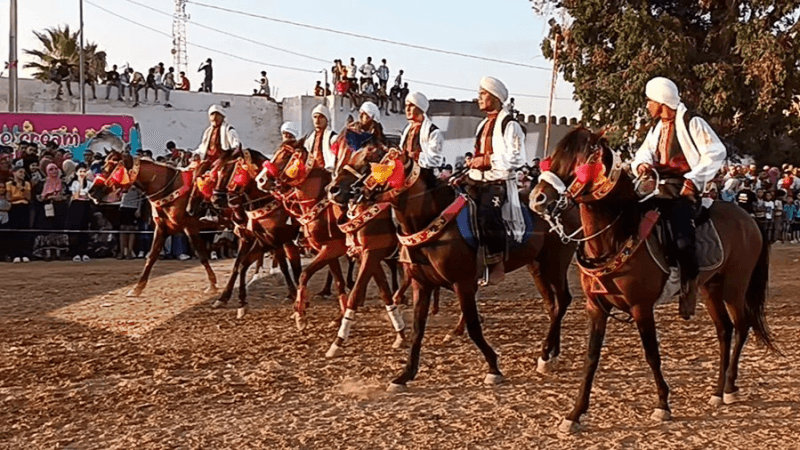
489 198
680 213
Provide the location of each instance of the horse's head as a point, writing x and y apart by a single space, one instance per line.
287 164
116 175
359 153
236 178
582 169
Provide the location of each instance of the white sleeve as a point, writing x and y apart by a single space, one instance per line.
233 138
647 151
514 157
712 152
432 153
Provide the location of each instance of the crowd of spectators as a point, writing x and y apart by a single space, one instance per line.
365 83
45 190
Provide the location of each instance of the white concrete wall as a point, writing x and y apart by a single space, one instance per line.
256 119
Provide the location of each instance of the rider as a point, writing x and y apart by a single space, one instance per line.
422 141
686 153
219 137
369 121
290 131
318 142
499 152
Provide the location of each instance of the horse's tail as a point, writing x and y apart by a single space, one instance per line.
756 298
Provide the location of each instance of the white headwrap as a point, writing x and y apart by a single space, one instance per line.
495 87
292 128
371 109
664 91
419 100
321 109
216 109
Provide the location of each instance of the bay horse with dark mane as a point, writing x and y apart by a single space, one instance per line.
167 189
260 221
300 183
618 272
437 255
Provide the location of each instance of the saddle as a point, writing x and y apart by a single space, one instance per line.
468 226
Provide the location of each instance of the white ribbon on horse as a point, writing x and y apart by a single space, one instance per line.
512 211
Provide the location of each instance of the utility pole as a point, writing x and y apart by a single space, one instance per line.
13 97
82 69
557 28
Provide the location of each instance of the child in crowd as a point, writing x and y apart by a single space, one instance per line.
778 217
759 212
789 218
769 216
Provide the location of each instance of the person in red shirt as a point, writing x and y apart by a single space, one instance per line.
184 83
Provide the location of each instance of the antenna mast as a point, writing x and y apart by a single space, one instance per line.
179 56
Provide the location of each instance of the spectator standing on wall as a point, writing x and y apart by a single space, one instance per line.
209 75
383 76
319 91
79 214
263 84
124 84
112 80
137 83
398 81
18 193
352 70
367 72
61 73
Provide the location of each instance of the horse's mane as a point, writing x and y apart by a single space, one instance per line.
574 144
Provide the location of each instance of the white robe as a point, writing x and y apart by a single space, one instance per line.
706 159
327 154
228 139
431 143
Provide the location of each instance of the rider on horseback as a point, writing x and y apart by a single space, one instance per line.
499 152
318 142
686 153
422 141
290 131
369 121
219 137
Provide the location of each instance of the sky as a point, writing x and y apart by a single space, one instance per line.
500 29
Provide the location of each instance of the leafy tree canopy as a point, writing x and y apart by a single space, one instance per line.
60 45
735 61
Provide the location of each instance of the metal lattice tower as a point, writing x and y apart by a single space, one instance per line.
179 56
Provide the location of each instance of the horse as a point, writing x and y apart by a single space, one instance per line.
301 184
166 189
261 223
617 273
435 251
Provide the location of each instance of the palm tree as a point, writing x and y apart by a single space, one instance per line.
61 47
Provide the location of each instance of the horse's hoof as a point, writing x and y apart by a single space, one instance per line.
399 342
716 401
334 351
218 304
733 397
134 293
661 415
300 321
547 367
241 312
211 290
493 379
569 427
396 388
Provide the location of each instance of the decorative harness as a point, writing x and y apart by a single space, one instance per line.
132 175
602 185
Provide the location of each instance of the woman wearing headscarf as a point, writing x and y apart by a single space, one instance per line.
79 214
52 195
68 170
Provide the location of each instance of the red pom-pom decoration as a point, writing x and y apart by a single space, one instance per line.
589 172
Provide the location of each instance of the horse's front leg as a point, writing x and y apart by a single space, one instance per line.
552 284
326 256
245 247
645 322
422 299
160 235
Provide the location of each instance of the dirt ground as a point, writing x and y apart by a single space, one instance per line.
84 367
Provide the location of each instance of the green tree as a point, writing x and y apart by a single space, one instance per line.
61 46
735 61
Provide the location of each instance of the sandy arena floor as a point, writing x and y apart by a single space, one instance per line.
84 367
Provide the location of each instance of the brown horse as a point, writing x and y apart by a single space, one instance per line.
166 188
617 273
445 259
261 223
372 230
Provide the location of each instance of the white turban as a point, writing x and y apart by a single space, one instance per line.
371 109
216 109
495 87
321 109
292 128
419 100
664 91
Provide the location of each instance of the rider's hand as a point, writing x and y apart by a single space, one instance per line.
689 190
644 168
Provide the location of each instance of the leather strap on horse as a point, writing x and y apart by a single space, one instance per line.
175 195
600 187
435 227
358 222
264 211
315 211
614 263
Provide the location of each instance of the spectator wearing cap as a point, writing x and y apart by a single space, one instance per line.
422 141
18 193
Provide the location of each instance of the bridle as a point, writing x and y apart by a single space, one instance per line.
593 175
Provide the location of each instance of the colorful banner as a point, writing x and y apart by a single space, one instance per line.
73 132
